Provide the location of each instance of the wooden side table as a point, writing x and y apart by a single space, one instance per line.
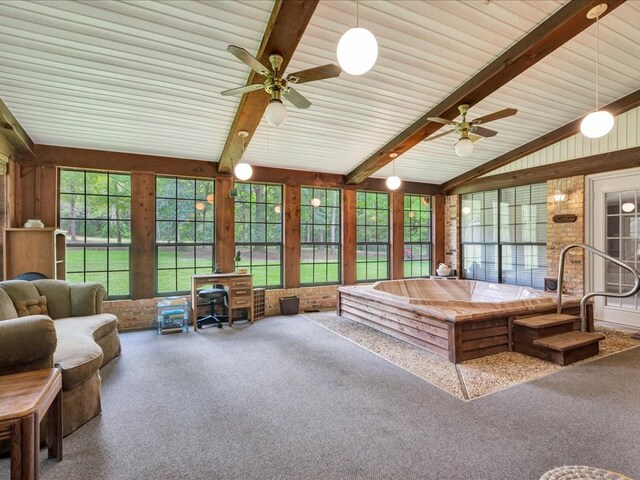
24 400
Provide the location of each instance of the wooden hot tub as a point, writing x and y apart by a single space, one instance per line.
459 319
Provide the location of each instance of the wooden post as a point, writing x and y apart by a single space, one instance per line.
14 196
225 218
349 266
438 232
143 238
48 206
292 247
397 235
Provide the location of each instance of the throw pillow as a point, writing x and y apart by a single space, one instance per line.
34 306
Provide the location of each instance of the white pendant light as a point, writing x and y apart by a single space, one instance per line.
357 49
315 202
597 124
393 182
243 170
463 147
276 113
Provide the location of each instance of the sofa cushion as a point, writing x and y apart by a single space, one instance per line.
77 353
35 306
58 297
7 310
20 290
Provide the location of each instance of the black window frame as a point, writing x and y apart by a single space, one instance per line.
365 213
276 207
204 223
321 193
502 243
425 233
85 218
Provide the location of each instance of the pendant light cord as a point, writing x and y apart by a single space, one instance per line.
597 62
357 15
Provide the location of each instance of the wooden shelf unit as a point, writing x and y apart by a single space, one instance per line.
40 250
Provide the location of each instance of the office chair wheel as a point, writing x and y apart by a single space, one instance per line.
219 325
199 324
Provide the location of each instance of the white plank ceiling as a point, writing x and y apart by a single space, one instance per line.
145 77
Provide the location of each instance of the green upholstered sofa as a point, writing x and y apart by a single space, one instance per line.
74 334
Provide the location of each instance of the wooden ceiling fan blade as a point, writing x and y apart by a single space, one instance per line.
507 112
484 132
245 57
240 90
296 99
475 138
441 120
317 73
433 137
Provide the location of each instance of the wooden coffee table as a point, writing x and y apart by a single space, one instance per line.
24 400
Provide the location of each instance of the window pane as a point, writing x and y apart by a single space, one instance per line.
95 210
184 215
521 234
258 229
372 235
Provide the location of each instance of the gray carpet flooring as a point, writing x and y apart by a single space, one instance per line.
288 399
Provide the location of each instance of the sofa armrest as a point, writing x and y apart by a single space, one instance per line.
27 343
86 298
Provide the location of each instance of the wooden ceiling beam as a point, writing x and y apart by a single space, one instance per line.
11 129
288 21
616 108
602 162
555 31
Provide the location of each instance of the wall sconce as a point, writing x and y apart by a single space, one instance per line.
559 196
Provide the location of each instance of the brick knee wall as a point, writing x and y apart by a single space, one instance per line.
140 314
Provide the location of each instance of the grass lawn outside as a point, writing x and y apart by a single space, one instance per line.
110 266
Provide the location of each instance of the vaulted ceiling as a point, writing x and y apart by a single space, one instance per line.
145 77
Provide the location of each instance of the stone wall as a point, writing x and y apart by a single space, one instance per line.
451 253
140 314
561 234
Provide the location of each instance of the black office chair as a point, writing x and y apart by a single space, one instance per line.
217 299
30 276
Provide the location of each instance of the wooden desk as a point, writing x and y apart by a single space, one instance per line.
24 399
239 287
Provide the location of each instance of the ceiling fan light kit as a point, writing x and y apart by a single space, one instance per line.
470 131
463 147
278 86
276 113
600 122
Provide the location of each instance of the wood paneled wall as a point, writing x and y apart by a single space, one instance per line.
349 267
225 231
143 234
397 235
292 236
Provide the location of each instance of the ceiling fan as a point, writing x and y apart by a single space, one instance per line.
276 85
470 131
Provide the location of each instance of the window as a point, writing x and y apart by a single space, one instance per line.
372 236
258 224
504 235
320 238
417 236
95 211
184 232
